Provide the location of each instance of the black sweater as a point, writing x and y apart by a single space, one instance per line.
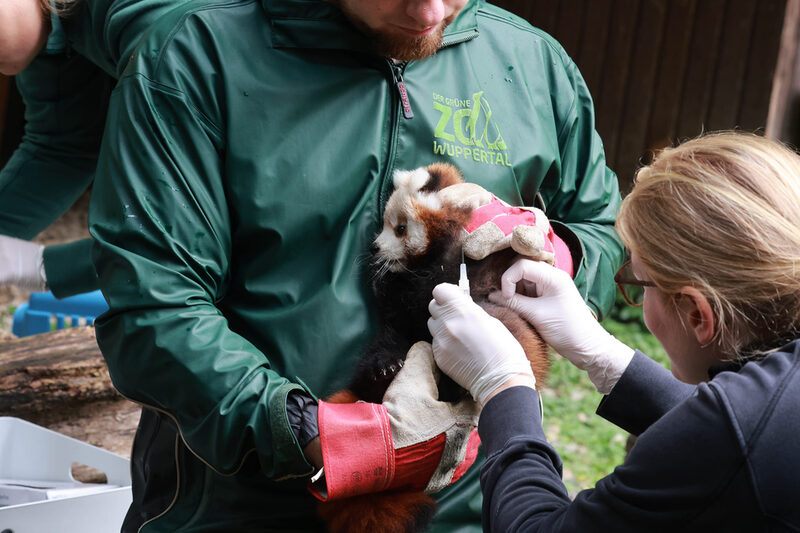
721 456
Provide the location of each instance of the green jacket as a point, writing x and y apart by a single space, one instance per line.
236 197
66 90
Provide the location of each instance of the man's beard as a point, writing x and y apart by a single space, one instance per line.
398 47
406 48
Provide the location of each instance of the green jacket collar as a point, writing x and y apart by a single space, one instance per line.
319 24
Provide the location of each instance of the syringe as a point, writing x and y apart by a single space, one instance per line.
463 282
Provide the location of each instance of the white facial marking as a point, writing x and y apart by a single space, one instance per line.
416 238
395 247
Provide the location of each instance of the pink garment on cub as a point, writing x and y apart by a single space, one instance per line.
508 217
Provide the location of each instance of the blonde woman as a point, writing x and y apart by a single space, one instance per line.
66 56
713 227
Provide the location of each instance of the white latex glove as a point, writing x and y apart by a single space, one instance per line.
21 264
473 348
564 321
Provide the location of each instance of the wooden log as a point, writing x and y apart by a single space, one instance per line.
60 381
61 367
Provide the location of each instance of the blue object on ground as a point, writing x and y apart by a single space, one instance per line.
44 312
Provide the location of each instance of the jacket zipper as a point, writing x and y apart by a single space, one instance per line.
177 488
396 71
400 85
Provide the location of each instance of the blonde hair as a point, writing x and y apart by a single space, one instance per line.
721 213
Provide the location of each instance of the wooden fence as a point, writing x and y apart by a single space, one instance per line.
664 70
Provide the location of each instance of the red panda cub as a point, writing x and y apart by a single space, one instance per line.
418 248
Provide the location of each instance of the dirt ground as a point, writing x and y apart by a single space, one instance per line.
72 225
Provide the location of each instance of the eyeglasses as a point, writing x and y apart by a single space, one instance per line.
632 289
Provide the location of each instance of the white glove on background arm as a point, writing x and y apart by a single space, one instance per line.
564 321
21 264
473 348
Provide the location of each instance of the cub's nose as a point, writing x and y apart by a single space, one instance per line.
374 248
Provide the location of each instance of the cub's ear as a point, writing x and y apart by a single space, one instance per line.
411 181
468 196
400 178
441 175
430 179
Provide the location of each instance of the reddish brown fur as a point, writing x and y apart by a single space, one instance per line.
384 512
342 396
449 174
442 225
535 348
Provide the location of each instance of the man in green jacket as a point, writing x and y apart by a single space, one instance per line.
249 152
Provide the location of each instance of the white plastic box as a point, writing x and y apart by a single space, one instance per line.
42 457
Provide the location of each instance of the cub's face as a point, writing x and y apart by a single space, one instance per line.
413 215
404 234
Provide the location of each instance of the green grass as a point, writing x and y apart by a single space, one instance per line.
6 318
589 446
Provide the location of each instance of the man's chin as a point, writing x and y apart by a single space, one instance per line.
394 43
405 48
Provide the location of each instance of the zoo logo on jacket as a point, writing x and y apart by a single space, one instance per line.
466 130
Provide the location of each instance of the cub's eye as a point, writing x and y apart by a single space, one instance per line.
400 230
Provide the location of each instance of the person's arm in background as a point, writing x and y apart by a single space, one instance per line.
65 105
583 205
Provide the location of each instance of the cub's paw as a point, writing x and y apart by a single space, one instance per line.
387 369
374 376
380 364
379 374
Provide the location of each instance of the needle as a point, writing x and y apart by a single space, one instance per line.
463 282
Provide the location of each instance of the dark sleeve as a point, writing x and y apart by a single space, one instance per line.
65 108
658 488
69 268
302 410
522 470
642 395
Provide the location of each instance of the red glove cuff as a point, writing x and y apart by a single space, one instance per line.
414 465
357 449
473 444
359 457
